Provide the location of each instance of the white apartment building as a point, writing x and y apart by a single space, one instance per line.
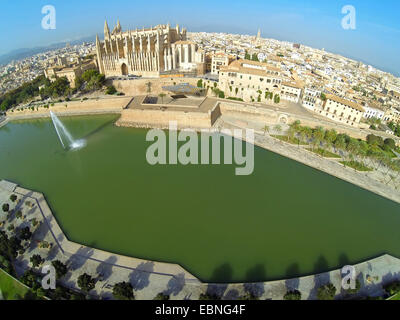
311 98
392 115
218 60
291 91
371 112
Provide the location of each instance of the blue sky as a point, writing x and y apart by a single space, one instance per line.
311 22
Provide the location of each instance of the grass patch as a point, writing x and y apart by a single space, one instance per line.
324 153
290 140
395 297
356 165
11 288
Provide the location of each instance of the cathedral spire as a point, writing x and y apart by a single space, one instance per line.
106 30
119 29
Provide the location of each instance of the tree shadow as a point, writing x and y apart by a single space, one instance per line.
139 277
320 279
256 289
344 260
104 269
79 258
175 284
232 294
292 273
223 273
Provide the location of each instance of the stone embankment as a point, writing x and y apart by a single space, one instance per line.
148 278
82 107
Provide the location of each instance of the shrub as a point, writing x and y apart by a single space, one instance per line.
111 90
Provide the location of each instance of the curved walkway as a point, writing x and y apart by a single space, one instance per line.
149 278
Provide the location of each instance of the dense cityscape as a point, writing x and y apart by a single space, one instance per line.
156 163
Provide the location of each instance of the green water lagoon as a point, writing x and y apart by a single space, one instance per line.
284 220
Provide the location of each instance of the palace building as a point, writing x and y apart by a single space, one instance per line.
148 52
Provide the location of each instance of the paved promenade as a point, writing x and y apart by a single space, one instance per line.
149 278
364 180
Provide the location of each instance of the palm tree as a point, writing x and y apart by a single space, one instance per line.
278 128
291 132
266 129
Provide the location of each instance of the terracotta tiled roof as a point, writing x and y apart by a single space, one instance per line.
348 103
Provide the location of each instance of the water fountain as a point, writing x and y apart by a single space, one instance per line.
62 132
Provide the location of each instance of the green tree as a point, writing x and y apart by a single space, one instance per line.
292 295
36 260
278 128
375 140
200 83
13 197
123 291
277 98
319 134
86 282
162 96
6 207
340 142
61 268
254 57
25 233
390 143
330 136
326 292
161 296
392 288
30 279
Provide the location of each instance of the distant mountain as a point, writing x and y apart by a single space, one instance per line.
23 53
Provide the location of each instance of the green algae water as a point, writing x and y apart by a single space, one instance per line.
284 220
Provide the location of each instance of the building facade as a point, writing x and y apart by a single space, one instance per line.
71 71
147 52
218 60
291 91
342 110
249 80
